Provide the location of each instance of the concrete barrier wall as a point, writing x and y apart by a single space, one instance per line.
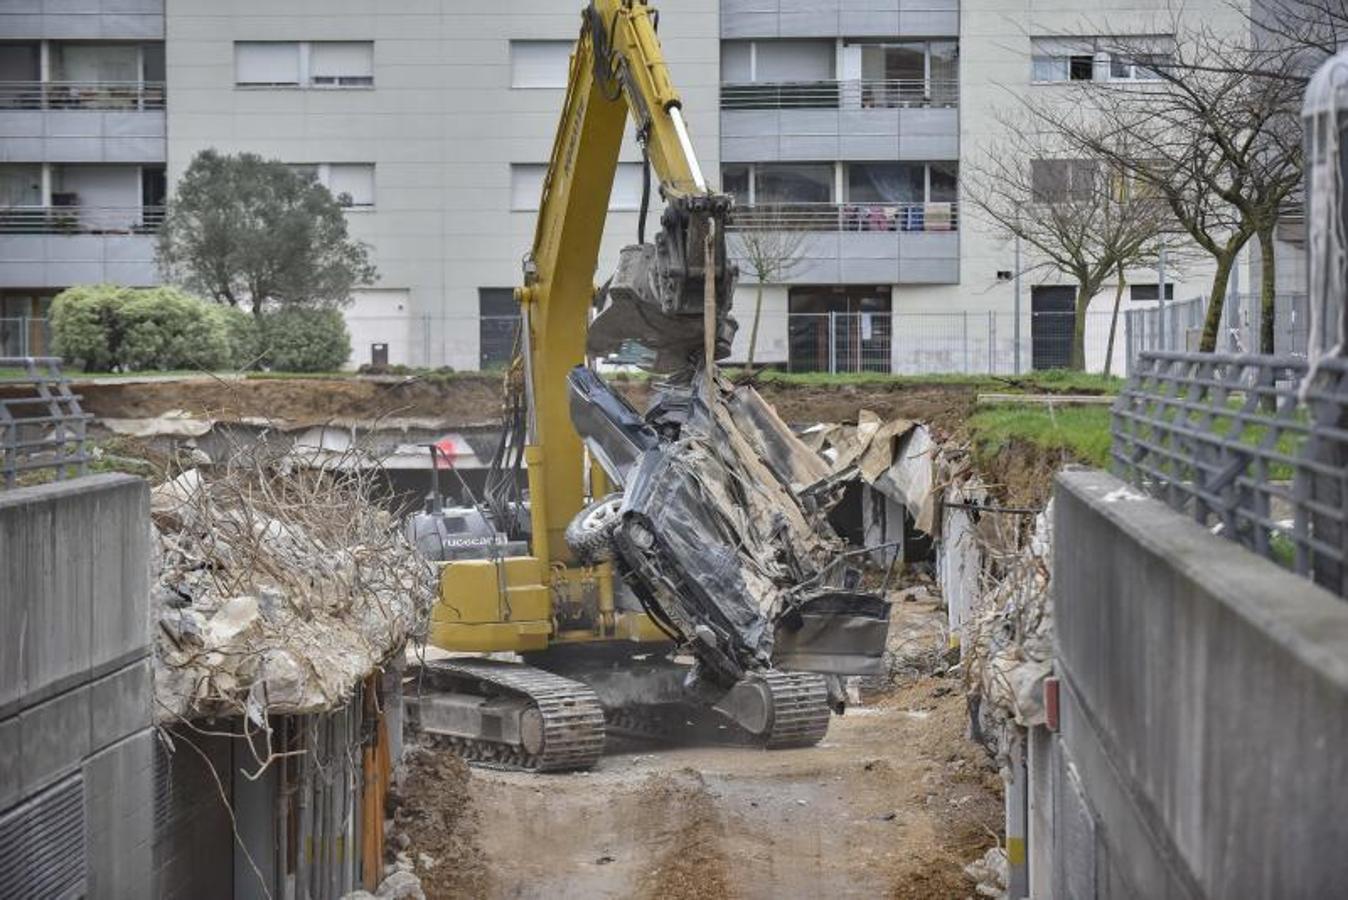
75 684
1204 713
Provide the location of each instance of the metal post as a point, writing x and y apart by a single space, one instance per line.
992 342
1160 298
1016 323
966 341
833 343
1017 821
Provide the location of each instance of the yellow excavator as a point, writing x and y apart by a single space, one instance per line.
667 573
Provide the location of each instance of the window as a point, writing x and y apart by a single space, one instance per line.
1150 291
906 73
526 186
793 183
319 64
341 63
1057 180
540 64
1132 58
351 183
743 62
902 182
267 63
735 182
21 185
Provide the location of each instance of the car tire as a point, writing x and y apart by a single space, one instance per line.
590 534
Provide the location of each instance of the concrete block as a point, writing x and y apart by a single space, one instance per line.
119 807
1205 694
53 738
120 704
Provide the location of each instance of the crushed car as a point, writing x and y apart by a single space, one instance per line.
721 530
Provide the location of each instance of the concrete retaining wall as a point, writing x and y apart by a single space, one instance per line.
75 688
1204 713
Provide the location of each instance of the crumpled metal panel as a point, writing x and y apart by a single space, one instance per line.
717 541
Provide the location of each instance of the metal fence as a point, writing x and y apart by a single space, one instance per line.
1228 440
1178 325
41 423
104 95
80 219
889 93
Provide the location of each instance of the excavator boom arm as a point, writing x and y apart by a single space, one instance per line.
617 67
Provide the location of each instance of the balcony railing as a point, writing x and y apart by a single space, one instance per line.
856 94
904 217
80 219
101 95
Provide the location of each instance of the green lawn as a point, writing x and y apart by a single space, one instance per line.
1053 381
1082 431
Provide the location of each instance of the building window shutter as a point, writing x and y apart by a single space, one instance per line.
352 183
267 62
539 64
341 63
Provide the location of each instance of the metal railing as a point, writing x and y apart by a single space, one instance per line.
892 93
80 219
104 95
846 217
1228 440
41 423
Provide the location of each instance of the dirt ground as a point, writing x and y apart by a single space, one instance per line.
471 399
893 803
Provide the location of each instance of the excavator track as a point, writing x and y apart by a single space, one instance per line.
800 712
800 717
569 717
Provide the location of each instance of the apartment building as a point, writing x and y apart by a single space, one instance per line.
82 153
844 122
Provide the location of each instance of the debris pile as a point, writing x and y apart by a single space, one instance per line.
1009 645
277 589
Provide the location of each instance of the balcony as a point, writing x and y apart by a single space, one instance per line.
840 18
100 95
859 243
82 121
830 120
57 246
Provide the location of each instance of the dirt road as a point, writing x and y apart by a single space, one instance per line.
893 803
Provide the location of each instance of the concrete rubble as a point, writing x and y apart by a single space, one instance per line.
275 595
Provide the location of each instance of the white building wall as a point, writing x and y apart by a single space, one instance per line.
441 124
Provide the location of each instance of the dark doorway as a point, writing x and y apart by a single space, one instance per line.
843 328
498 321
1052 320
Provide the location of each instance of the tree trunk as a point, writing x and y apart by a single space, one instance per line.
1084 294
1212 323
753 329
1267 289
1114 323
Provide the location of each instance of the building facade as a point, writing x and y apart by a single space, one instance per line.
844 123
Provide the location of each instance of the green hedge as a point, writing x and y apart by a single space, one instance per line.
104 326
305 339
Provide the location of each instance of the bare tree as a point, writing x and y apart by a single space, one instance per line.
768 246
1077 215
1213 131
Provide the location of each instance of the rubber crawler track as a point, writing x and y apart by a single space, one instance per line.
573 720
